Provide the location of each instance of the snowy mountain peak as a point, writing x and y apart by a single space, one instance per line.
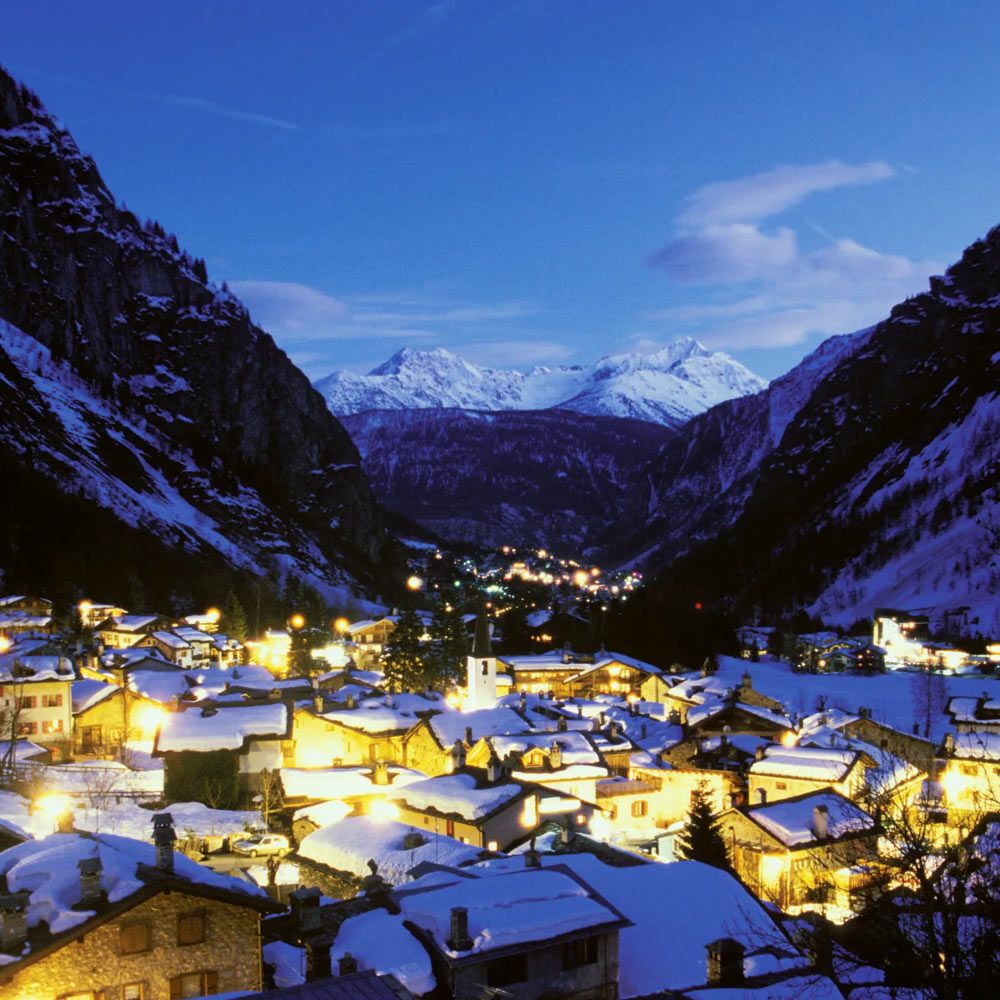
666 387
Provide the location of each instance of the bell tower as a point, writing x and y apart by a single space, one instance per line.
481 668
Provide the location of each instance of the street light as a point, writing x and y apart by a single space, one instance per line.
297 621
341 625
414 583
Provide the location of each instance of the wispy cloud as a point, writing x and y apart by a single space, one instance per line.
219 110
761 288
429 17
304 319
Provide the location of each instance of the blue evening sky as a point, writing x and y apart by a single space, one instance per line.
538 181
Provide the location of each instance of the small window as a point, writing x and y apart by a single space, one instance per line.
191 927
505 971
781 785
194 984
134 991
134 938
970 770
640 808
579 953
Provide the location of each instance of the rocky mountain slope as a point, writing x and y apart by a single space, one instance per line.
868 475
667 387
551 478
132 384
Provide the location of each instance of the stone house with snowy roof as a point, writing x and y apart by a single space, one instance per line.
531 933
908 746
782 772
812 847
106 715
484 809
428 746
728 716
610 673
96 917
971 714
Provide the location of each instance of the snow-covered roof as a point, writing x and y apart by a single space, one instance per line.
575 747
459 794
47 869
227 727
809 763
977 745
382 715
377 940
509 910
133 623
171 639
87 693
449 726
34 669
347 846
367 623
791 820
342 782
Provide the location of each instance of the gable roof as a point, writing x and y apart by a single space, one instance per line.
222 727
790 821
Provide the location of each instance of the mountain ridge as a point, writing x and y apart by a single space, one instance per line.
666 387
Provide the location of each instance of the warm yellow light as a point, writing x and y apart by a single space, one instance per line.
596 571
85 608
581 578
297 621
5 644
341 625
381 810
414 583
452 700
213 614
54 804
954 785
788 739
149 718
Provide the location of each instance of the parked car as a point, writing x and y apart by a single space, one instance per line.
261 844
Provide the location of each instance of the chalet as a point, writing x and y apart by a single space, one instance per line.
565 761
271 651
169 645
429 745
138 922
975 714
907 746
806 848
370 637
568 674
482 808
357 731
783 772
970 775
20 615
107 716
256 734
564 941
125 631
36 692
91 614
611 673
715 718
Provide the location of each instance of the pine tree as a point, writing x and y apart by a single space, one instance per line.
404 660
701 839
449 649
233 620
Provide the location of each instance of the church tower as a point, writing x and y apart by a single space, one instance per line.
481 668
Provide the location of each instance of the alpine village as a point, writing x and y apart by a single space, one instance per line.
646 679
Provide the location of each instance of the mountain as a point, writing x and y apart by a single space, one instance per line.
869 475
141 410
549 478
668 387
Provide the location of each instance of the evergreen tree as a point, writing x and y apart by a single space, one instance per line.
233 620
701 839
404 660
450 646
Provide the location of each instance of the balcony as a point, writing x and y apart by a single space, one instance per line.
635 786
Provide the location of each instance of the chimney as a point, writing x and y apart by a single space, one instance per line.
613 729
759 753
724 962
163 839
494 769
746 681
318 958
949 743
351 703
90 880
555 756
821 822
468 736
562 725
566 831
305 910
13 925
347 964
457 756
523 700
380 773
460 940
318 703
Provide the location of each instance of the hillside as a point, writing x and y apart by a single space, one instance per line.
868 475
550 478
132 385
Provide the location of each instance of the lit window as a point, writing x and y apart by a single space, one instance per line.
640 808
194 984
134 991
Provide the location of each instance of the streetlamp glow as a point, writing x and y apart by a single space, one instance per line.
341 625
297 621
414 583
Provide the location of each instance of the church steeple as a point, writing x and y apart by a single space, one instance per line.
481 668
481 645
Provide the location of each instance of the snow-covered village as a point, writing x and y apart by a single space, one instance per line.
499 501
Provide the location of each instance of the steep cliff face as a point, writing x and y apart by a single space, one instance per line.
868 475
547 478
129 378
